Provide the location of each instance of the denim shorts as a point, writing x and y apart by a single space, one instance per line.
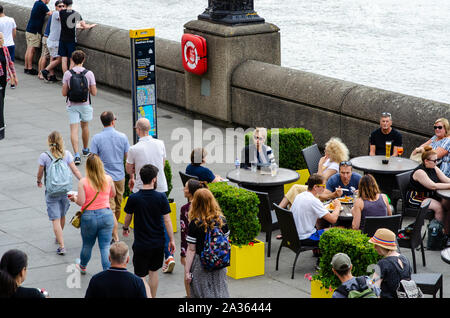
80 113
57 207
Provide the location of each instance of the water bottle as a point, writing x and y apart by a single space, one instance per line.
237 165
273 169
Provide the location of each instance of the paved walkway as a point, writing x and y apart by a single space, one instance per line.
35 109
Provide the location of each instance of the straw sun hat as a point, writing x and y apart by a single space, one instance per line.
385 239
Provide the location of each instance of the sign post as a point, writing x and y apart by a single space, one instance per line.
143 78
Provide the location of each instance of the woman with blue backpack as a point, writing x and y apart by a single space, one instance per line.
208 252
57 165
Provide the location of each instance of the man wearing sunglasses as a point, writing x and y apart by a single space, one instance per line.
344 183
385 133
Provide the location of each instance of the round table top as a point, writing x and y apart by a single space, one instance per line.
256 178
443 193
375 164
445 255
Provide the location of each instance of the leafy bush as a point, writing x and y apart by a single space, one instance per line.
240 208
351 242
291 143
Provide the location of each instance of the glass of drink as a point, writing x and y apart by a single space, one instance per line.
254 165
388 149
400 151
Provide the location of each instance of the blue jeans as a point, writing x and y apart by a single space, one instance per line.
166 241
96 224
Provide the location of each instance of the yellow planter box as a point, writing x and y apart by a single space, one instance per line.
304 175
318 291
173 214
246 261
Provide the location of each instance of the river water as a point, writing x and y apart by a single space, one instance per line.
397 45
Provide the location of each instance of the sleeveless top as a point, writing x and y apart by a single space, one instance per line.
102 200
416 185
372 208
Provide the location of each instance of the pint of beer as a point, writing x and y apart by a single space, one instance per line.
388 149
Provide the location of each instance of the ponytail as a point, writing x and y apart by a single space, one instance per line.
8 285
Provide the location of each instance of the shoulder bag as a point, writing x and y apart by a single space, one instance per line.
76 220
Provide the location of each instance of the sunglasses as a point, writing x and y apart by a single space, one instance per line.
435 160
385 114
61 6
258 138
321 185
438 127
345 163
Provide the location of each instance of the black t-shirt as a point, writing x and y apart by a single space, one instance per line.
392 274
196 235
116 283
416 185
3 62
379 139
25 292
69 20
148 207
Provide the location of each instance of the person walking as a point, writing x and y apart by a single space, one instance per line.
112 147
33 33
57 206
80 113
149 150
149 208
204 214
13 272
116 281
7 73
97 221
190 187
9 29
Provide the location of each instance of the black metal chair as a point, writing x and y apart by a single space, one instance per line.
290 235
185 177
267 217
415 238
373 223
429 283
312 156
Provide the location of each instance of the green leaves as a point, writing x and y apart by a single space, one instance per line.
240 208
168 174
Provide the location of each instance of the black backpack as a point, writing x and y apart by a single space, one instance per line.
79 87
362 291
436 237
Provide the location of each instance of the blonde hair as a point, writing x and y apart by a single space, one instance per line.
446 125
95 173
205 210
56 144
261 131
337 150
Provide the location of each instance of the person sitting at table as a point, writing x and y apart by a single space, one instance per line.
424 181
440 142
378 137
344 183
307 209
257 152
335 152
195 168
371 202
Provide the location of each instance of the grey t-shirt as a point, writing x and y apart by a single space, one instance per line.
55 27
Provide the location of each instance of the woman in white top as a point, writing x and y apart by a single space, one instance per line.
335 152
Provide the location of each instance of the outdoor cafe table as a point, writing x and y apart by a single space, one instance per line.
445 194
385 173
273 185
445 255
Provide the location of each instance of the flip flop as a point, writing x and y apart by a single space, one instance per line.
279 237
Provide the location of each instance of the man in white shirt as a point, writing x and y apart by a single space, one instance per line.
307 209
149 150
8 28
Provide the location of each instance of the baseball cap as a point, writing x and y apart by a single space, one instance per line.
341 262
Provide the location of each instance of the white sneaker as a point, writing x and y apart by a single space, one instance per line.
168 265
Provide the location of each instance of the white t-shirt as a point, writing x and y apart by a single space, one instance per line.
7 25
148 151
331 165
306 209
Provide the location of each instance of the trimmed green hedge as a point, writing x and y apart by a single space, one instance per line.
351 242
291 141
240 208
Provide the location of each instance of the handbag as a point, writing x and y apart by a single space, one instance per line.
76 219
408 289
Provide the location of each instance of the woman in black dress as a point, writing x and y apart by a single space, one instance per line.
7 72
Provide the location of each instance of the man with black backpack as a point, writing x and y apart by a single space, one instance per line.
352 287
78 86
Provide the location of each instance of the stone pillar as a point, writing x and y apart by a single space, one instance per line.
227 47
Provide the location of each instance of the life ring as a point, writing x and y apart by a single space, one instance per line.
191 55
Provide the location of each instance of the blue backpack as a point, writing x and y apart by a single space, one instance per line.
58 177
216 250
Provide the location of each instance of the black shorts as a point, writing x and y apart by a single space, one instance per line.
145 261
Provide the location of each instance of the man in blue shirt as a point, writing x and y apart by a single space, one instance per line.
34 31
344 183
112 148
195 168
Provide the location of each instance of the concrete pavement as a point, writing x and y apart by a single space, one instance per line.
35 109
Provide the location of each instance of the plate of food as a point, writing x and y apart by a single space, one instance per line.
346 200
330 207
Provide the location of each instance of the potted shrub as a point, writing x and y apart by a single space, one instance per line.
291 142
240 208
172 203
339 240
